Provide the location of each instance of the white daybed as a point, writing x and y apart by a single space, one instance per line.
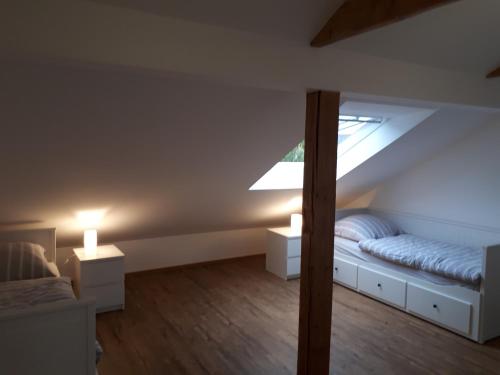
471 311
49 338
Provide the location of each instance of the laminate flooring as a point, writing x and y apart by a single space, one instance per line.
234 317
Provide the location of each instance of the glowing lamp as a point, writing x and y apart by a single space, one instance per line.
296 223
90 242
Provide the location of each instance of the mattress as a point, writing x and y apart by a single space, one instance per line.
351 248
22 294
441 258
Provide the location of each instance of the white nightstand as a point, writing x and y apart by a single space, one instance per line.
101 276
283 252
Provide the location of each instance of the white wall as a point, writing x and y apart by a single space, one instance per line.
461 183
172 251
161 154
443 129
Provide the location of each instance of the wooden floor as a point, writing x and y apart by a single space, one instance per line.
235 318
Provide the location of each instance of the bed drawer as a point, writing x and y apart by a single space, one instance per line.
345 272
442 309
293 267
379 285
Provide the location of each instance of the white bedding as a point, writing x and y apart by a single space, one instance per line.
21 294
351 248
441 258
24 260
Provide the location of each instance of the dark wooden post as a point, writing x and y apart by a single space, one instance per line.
318 209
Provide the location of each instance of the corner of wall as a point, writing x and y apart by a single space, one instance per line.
362 201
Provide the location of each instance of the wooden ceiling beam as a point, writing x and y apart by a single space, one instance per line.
494 74
359 16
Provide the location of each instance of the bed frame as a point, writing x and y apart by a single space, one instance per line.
53 338
469 312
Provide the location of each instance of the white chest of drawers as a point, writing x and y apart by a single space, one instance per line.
283 252
101 276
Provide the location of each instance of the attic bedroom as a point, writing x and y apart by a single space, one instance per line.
249 187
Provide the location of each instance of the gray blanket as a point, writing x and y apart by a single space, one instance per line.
441 258
22 294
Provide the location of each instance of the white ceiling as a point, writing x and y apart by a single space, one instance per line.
460 36
100 33
289 19
447 125
112 120
163 154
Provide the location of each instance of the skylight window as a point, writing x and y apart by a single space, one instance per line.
296 154
364 130
349 125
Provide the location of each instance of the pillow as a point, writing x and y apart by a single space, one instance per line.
23 260
364 227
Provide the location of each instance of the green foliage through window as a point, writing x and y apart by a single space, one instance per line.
348 125
296 155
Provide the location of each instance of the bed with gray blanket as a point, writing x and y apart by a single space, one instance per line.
44 328
25 294
442 271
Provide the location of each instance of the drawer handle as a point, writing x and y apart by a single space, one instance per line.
379 285
336 268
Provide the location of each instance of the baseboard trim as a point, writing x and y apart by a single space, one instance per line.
193 265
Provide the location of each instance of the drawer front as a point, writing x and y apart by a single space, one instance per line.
106 296
345 272
102 273
382 286
442 309
294 248
293 267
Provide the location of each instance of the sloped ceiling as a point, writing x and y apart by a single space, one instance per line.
164 113
459 36
104 34
164 154
446 126
288 19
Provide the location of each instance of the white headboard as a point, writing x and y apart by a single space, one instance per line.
442 229
45 237
434 228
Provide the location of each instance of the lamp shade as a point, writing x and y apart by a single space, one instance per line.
90 241
296 223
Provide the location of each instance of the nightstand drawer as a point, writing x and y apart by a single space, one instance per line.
293 267
294 247
101 273
108 297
